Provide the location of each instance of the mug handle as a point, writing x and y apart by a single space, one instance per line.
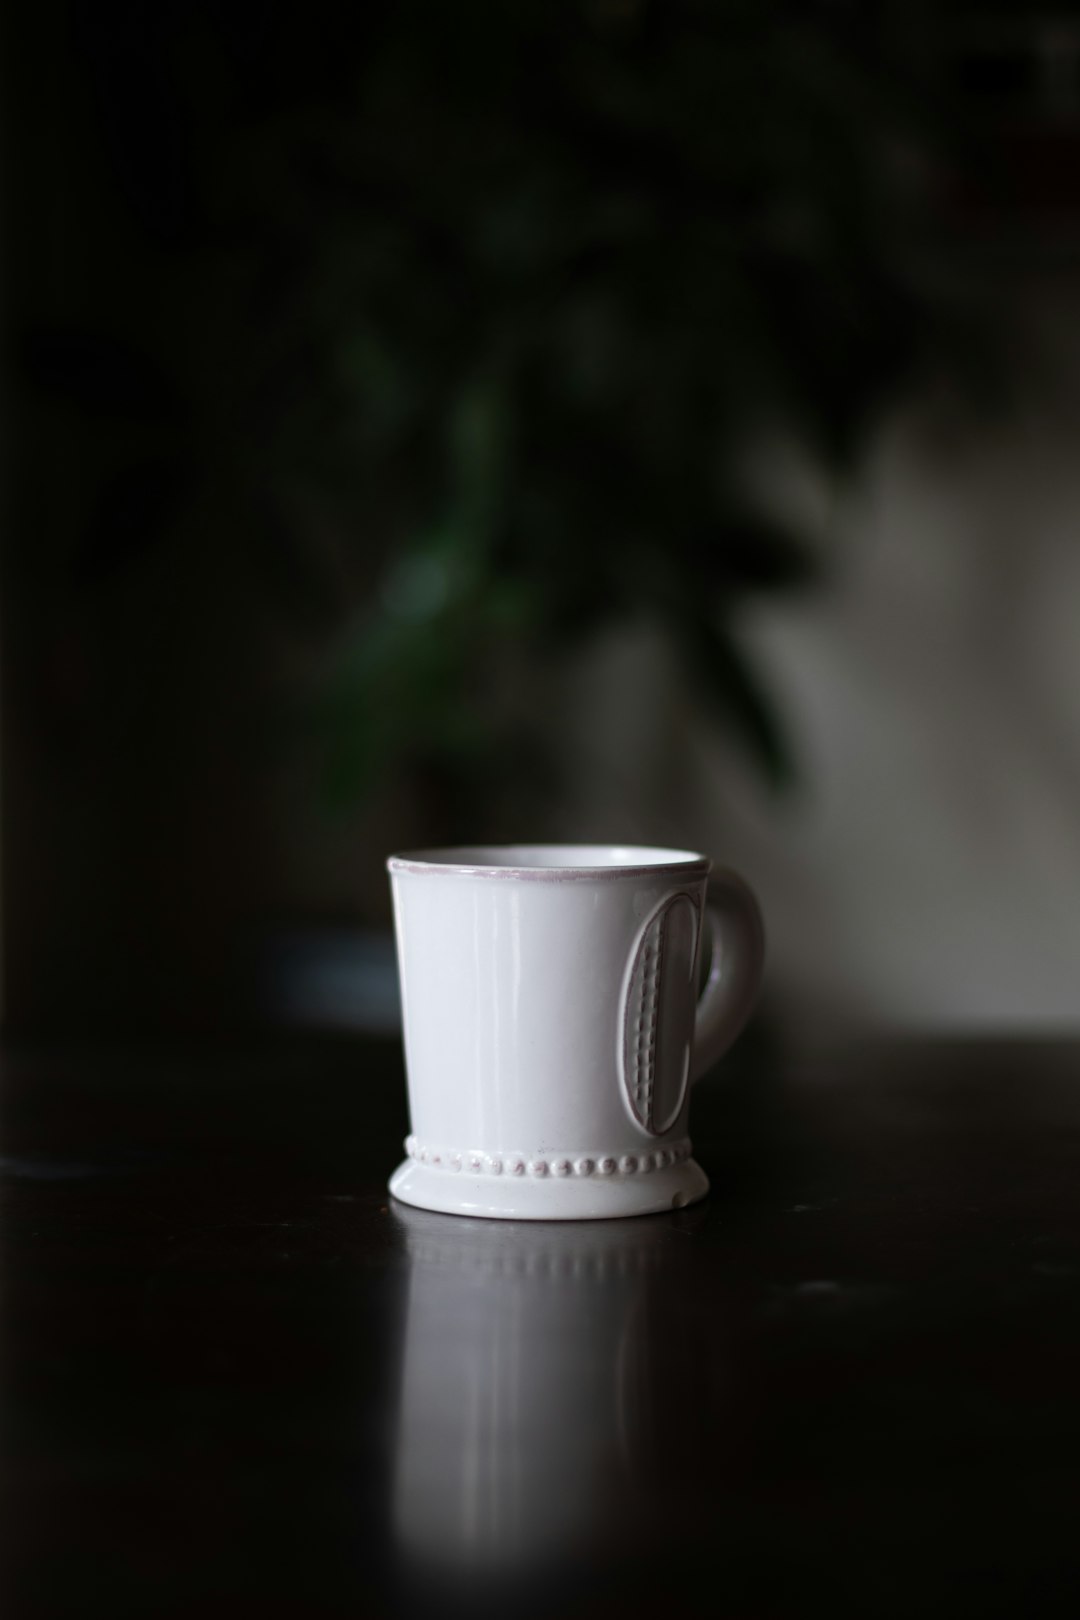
735 970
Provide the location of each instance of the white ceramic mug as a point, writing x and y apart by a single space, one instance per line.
552 1023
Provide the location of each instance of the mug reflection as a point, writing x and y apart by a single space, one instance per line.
545 1383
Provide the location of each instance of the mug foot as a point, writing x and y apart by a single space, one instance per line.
524 1198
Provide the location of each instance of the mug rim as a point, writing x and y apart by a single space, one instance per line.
607 862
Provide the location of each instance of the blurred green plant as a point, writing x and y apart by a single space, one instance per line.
489 301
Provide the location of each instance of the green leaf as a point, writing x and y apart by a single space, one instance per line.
723 677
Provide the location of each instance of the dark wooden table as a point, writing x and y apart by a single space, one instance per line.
234 1379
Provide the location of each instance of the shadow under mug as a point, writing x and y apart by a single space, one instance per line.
553 1026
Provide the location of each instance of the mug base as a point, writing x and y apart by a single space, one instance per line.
511 1198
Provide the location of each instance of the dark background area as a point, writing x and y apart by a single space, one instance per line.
365 366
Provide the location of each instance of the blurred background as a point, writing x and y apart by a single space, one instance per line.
598 421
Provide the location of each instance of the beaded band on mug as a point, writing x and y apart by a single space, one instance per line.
474 1162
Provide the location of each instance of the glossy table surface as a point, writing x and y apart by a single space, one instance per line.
235 1379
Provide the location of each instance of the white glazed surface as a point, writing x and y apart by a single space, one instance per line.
518 967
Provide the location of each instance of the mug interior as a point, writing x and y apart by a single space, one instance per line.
567 860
